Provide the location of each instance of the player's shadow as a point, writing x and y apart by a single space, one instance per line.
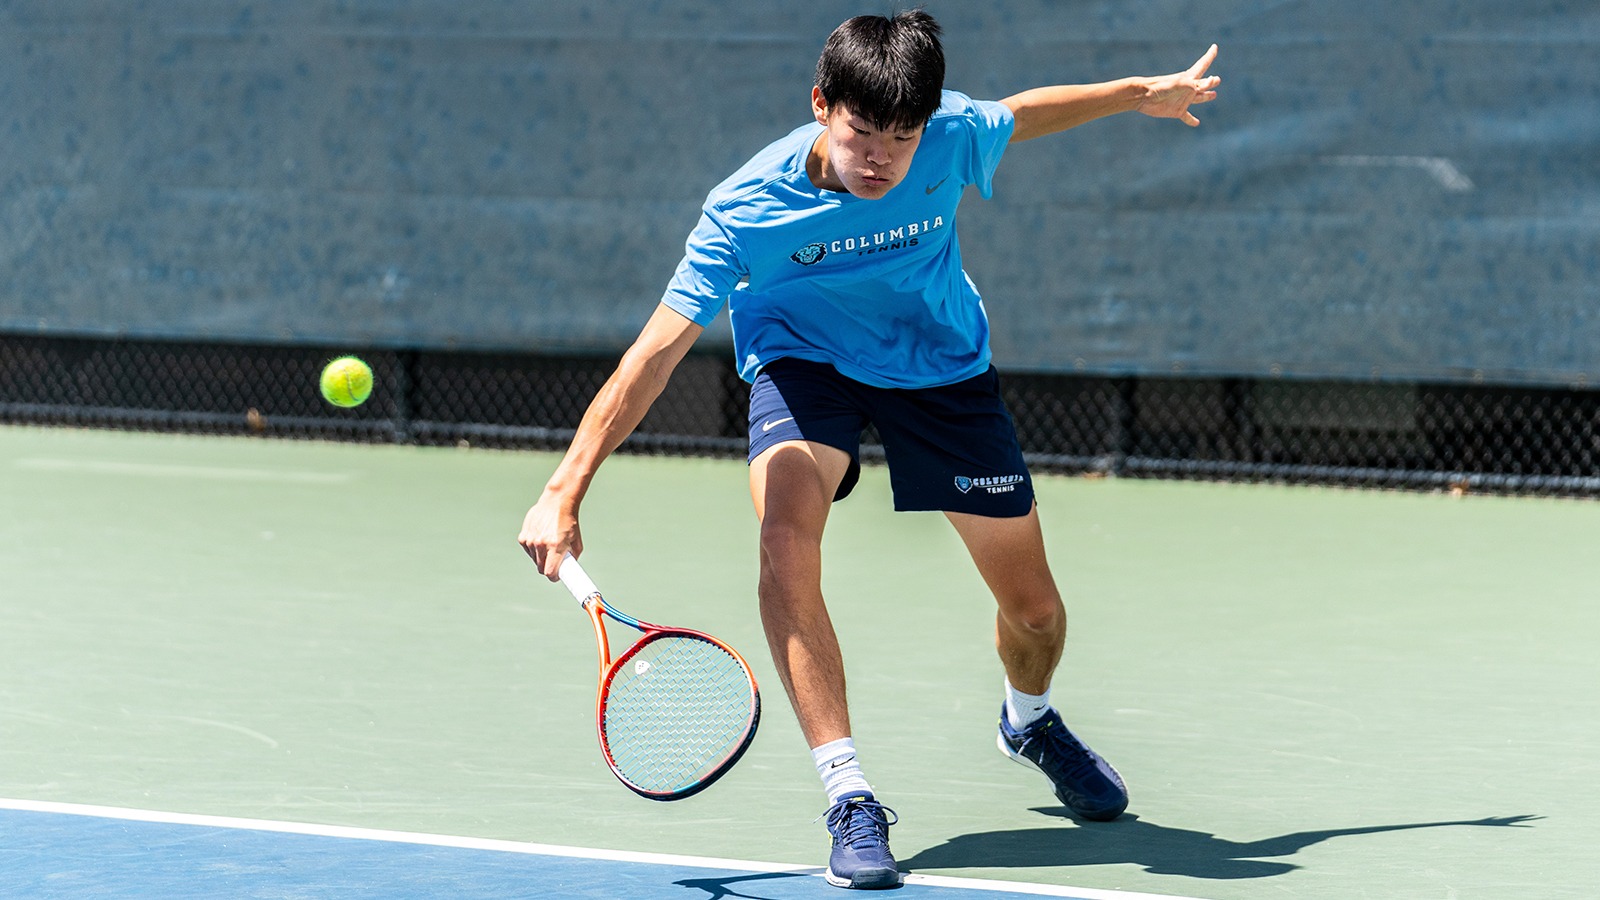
1159 849
721 888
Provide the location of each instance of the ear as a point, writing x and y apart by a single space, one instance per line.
819 105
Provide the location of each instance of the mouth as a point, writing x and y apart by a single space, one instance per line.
874 181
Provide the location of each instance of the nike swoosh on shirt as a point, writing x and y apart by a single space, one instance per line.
768 426
934 187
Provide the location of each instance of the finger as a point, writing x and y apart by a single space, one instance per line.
1189 119
1203 63
556 555
550 565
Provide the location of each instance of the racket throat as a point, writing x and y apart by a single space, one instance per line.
601 643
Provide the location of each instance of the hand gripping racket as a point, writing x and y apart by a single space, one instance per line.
676 710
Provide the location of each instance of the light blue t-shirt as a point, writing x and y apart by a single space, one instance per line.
873 287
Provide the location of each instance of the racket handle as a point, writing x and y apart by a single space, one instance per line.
576 580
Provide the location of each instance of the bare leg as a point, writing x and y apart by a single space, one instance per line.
1031 622
792 485
1030 629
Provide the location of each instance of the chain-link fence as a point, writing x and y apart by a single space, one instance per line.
1416 436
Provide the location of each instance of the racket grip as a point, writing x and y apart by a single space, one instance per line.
575 579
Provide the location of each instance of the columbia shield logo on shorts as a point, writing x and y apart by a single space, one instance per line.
963 483
810 254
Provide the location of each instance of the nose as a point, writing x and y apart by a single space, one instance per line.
878 154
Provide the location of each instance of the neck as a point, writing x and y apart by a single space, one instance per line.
819 168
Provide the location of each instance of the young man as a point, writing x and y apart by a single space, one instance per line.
835 251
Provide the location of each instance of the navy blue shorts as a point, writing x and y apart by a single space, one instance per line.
952 448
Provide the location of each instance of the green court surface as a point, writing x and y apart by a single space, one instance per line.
1311 692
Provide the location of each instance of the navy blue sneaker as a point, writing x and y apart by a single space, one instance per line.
861 857
1083 781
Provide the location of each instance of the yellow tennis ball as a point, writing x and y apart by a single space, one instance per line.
347 381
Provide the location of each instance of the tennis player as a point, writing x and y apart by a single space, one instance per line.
835 251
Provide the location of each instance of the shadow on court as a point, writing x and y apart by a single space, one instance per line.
719 888
1160 850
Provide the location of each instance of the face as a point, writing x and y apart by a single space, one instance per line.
856 156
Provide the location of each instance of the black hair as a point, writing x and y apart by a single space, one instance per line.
889 71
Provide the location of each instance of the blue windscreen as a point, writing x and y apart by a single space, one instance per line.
1384 190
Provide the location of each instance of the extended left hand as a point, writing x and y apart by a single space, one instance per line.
1170 96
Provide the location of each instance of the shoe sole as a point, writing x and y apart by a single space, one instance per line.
1093 815
869 879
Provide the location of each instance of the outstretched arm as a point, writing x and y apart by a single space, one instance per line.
550 528
1047 110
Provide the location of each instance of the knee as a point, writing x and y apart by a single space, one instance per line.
1040 612
789 554
784 543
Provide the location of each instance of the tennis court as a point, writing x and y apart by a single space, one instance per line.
242 667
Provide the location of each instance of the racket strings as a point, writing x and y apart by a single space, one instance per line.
675 711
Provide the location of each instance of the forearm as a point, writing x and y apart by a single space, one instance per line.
622 402
1047 110
614 413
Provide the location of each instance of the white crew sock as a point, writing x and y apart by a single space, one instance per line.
1022 709
841 773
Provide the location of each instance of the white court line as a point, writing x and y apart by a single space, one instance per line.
154 470
468 843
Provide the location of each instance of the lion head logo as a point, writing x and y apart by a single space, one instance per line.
810 254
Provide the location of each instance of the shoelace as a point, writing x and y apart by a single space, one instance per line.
855 821
1064 746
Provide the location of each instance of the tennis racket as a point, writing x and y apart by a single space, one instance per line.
676 710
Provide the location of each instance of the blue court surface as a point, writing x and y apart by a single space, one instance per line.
56 850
